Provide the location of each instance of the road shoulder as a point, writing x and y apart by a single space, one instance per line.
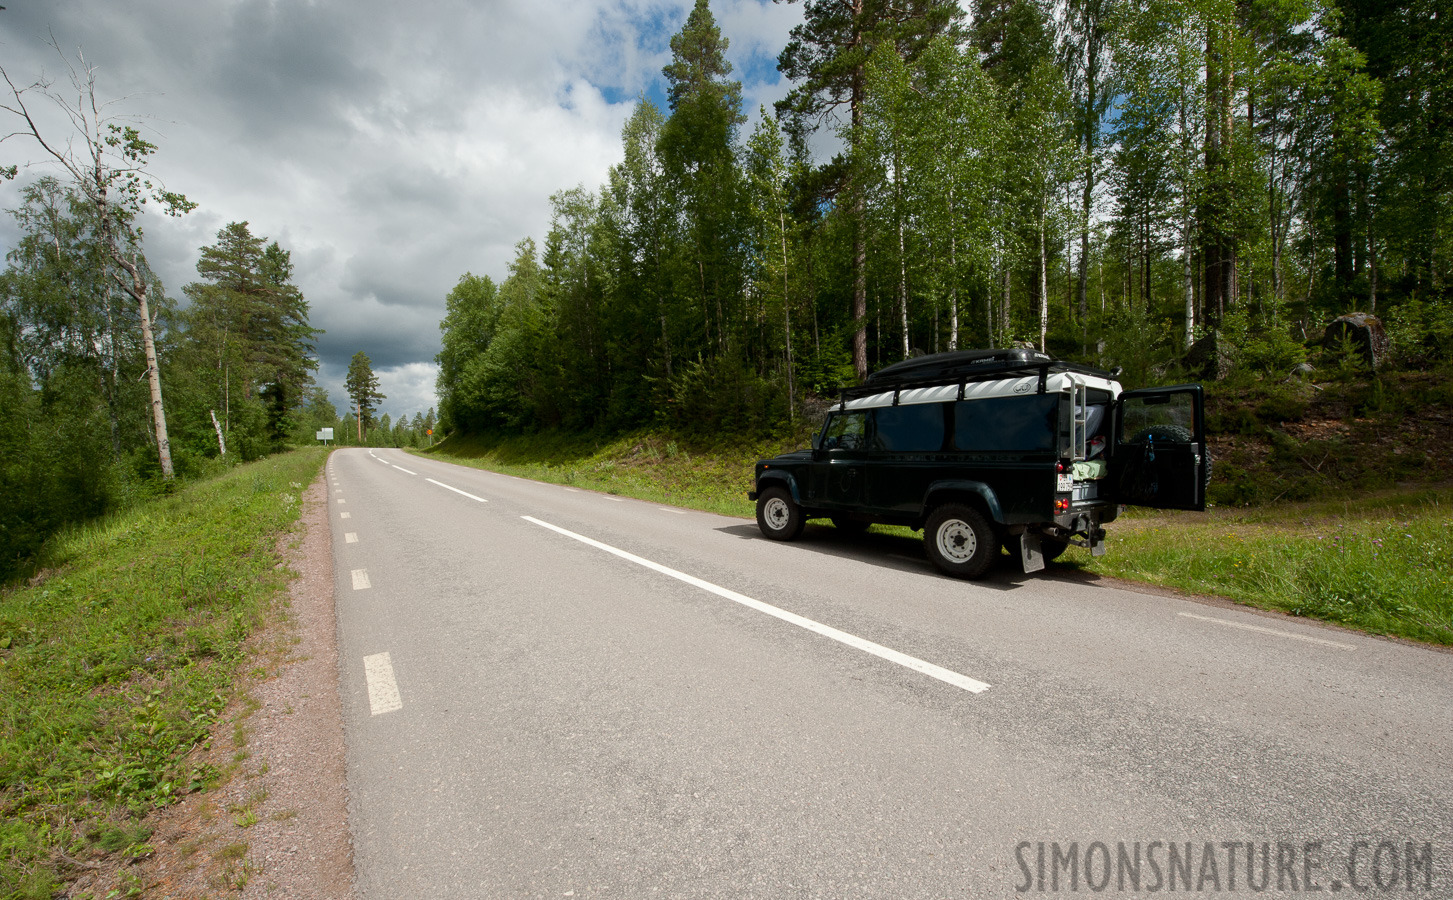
278 824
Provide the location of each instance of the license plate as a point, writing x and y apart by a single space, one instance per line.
1066 483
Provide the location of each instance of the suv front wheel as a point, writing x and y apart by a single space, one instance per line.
960 541
778 516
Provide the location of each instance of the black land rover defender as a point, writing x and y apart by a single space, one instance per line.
987 448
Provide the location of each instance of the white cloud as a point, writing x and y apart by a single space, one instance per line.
390 147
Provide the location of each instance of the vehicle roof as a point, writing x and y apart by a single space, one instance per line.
1019 386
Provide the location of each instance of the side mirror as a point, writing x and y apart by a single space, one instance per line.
817 440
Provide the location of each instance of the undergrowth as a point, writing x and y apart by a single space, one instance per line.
665 469
1378 565
116 660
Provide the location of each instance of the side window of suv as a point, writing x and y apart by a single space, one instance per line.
914 428
1007 423
845 431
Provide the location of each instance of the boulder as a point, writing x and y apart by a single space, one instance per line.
1366 333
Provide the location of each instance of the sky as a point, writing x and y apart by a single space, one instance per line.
390 147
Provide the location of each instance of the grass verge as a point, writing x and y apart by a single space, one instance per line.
116 661
647 466
1374 563
1377 564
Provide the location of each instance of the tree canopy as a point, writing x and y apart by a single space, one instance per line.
1182 189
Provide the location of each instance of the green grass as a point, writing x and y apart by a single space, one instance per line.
117 660
1376 563
659 468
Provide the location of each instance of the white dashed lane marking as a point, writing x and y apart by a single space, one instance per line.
456 490
360 580
350 538
383 689
402 469
947 676
679 512
345 515
341 500
1273 631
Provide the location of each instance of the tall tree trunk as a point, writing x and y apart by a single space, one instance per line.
860 246
1005 322
138 291
1043 285
1187 255
953 268
787 323
903 260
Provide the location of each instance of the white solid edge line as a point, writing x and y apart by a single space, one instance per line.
1277 632
573 490
360 580
925 668
402 469
456 490
383 690
617 499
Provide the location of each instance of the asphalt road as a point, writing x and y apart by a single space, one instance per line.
551 692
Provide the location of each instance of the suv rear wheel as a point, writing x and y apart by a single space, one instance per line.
778 516
960 541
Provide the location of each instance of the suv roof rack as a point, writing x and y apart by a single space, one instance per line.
964 367
955 363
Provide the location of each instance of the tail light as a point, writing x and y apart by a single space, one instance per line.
1062 505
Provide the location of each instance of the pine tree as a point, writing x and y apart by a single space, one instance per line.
362 387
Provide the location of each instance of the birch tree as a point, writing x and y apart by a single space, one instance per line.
107 160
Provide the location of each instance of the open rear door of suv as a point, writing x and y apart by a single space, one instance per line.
1159 454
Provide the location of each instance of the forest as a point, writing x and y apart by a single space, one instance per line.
1186 189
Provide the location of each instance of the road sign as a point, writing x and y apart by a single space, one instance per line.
325 434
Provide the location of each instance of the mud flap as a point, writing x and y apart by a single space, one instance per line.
1097 542
1030 553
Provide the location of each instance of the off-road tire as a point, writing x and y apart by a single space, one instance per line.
779 517
1177 434
960 541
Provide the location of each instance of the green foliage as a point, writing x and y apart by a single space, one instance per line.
1379 571
121 657
1421 331
248 345
1260 344
1109 181
362 387
722 396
